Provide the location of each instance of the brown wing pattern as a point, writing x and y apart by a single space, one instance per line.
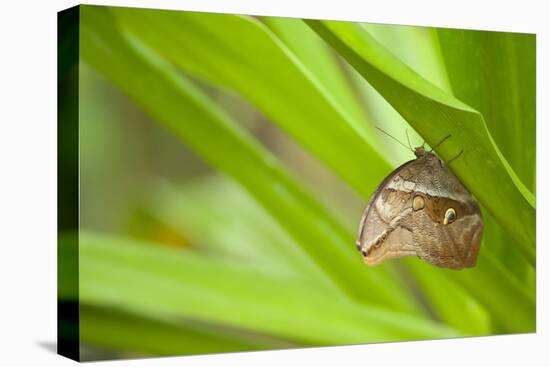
391 227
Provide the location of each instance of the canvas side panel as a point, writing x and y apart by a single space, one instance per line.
67 182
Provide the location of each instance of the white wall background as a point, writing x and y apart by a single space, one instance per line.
28 182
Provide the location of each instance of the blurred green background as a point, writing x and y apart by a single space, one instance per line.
225 161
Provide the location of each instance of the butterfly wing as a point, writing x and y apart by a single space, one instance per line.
375 241
393 227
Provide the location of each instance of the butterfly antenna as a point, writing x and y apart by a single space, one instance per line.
408 141
441 142
394 138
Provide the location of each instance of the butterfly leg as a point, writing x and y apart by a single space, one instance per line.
459 154
441 142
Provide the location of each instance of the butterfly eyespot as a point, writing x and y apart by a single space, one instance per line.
418 202
450 216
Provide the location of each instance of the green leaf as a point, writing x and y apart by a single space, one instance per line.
242 54
451 303
251 237
457 306
116 272
507 252
489 285
322 63
180 106
494 72
417 47
436 114
512 305
129 332
414 46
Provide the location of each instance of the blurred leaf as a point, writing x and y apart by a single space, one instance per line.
173 101
494 72
117 272
144 225
436 114
241 54
130 332
252 237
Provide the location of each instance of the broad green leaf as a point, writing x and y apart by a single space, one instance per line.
436 114
507 252
242 54
407 44
511 304
178 105
494 72
451 303
489 285
414 46
138 336
116 272
417 47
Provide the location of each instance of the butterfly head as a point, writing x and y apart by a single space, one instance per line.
420 152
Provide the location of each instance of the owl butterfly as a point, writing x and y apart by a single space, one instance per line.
422 209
